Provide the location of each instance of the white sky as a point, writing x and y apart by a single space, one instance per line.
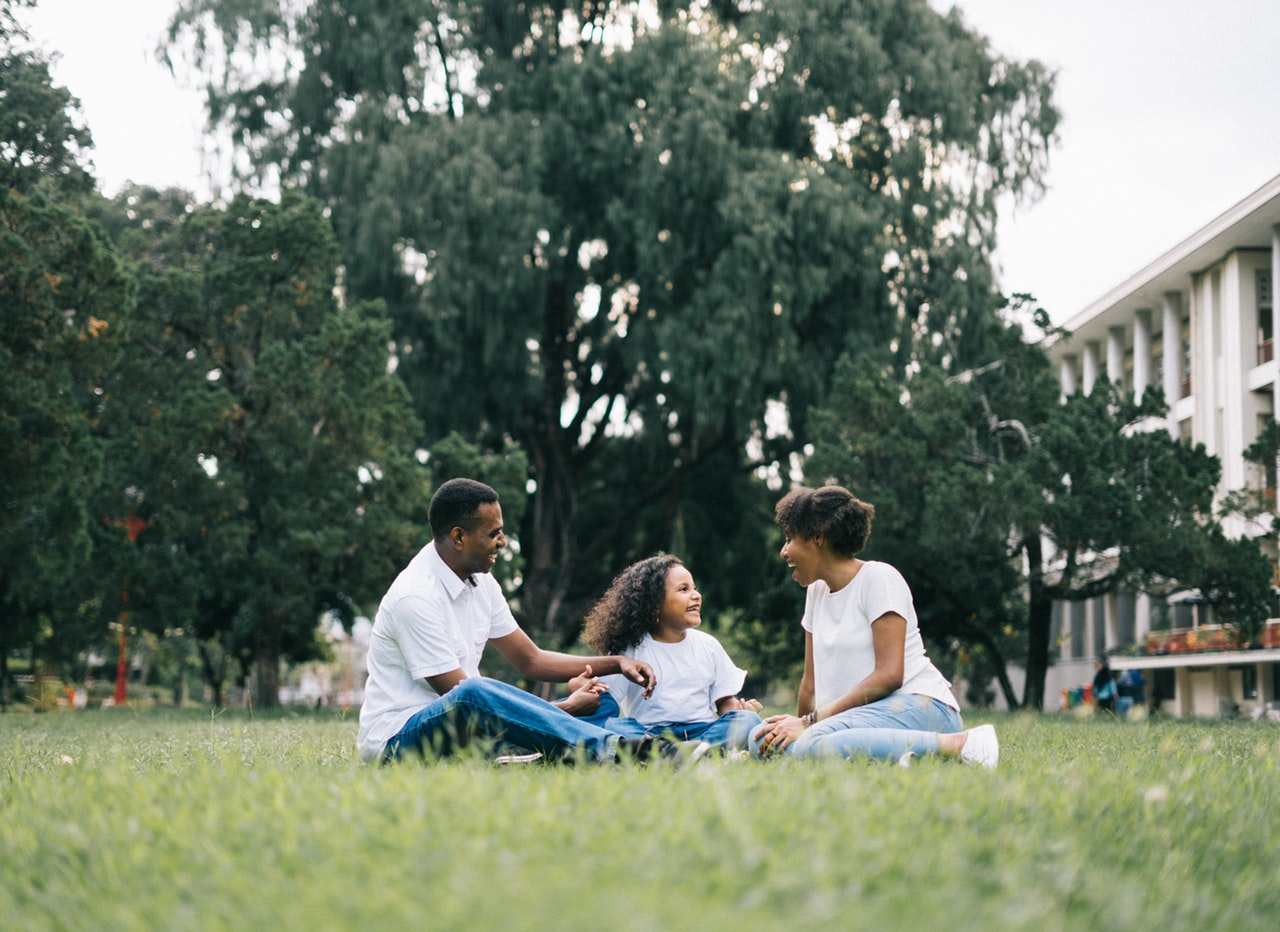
1170 117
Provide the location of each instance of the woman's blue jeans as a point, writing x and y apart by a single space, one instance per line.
886 729
485 710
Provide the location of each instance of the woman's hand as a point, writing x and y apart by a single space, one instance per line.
782 732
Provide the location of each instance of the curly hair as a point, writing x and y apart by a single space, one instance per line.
630 607
831 512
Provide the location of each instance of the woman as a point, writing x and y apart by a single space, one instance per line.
868 687
652 611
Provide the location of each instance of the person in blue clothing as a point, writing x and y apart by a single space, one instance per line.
1104 686
651 613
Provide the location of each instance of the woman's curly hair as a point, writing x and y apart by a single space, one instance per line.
630 607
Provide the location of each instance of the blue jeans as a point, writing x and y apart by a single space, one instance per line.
730 730
482 709
886 729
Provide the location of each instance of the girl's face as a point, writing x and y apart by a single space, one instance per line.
682 607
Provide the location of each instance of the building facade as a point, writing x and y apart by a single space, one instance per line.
1200 323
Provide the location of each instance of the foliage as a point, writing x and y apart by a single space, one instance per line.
42 144
63 306
146 820
591 224
257 435
974 475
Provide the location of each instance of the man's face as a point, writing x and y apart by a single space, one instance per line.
479 546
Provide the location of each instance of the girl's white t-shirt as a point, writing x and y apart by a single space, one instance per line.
692 674
843 650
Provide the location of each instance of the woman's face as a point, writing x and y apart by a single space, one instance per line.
682 606
804 556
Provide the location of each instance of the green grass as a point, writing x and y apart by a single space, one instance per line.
159 819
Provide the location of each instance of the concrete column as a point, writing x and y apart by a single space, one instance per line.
1089 366
1141 617
1171 348
1141 353
1115 355
1067 377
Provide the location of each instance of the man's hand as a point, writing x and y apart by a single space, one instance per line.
734 704
637 671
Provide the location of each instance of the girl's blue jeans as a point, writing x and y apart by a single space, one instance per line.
730 730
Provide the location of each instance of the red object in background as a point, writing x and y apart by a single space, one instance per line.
133 526
122 673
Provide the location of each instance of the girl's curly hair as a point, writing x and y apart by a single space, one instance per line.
630 607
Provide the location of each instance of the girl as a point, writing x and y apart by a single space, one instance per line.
651 612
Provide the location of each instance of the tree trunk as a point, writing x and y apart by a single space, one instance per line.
1039 618
266 662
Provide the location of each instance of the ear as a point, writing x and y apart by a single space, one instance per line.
456 535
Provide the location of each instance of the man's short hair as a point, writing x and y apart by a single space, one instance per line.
455 505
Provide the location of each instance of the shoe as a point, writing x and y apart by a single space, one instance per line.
530 758
702 749
906 759
674 753
981 747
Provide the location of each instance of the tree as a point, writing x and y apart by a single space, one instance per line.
597 229
257 431
64 304
991 489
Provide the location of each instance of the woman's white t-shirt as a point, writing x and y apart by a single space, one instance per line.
692 675
843 651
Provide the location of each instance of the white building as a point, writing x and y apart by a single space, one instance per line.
1200 322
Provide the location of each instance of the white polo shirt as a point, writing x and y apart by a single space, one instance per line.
429 622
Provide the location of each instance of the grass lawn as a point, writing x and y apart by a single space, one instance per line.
166 819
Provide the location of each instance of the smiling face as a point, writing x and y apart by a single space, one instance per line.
476 549
805 557
681 608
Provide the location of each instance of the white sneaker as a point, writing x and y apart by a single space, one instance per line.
702 750
518 758
906 759
981 747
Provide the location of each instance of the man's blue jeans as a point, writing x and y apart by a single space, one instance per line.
490 712
886 729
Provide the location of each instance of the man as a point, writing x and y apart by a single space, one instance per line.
425 693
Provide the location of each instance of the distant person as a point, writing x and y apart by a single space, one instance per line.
1104 687
425 695
868 688
1131 691
651 612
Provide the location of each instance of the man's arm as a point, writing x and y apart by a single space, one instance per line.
549 666
443 682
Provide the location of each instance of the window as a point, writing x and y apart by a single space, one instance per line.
1164 687
1266 342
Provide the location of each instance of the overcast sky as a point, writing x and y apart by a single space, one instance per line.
1170 117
